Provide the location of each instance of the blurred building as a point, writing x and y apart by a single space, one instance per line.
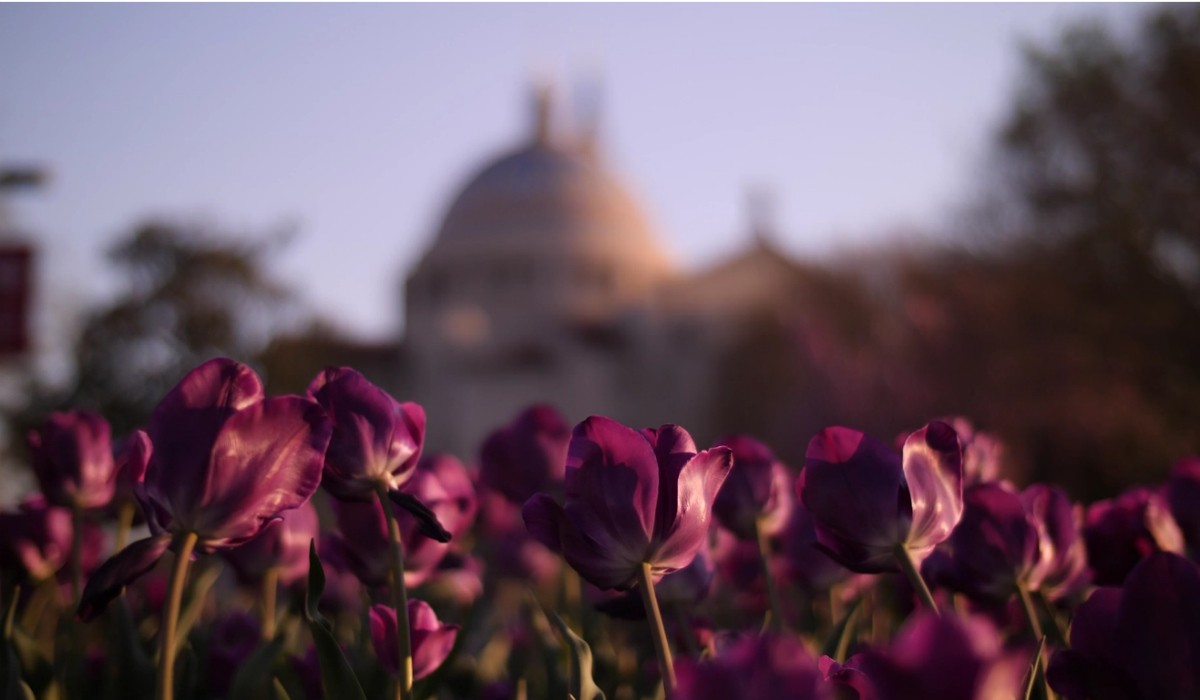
544 282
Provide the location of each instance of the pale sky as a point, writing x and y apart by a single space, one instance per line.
357 123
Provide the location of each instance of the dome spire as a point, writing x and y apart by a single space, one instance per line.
543 95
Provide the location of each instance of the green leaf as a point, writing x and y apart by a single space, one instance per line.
336 675
316 586
257 672
839 641
280 693
133 671
582 686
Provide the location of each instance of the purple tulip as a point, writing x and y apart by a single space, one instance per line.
757 495
343 590
945 658
365 544
73 460
1063 569
441 483
221 463
995 547
1183 494
867 501
527 456
1122 531
1140 642
630 498
458 577
805 564
684 588
376 443
432 641
766 667
983 453
847 680
37 539
234 639
283 546
308 671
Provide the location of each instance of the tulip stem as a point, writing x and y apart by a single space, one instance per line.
1058 633
270 583
76 553
776 622
914 576
125 513
1030 614
399 597
184 544
657 630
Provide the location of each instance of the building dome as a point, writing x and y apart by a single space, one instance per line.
541 237
544 189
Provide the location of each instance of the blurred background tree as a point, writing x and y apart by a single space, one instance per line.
192 293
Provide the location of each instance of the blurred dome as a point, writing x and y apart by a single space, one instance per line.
547 190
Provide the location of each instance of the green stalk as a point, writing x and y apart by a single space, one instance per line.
765 566
165 687
270 583
125 513
657 630
76 553
914 576
1030 614
399 598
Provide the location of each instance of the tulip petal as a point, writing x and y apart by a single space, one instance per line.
122 569
427 521
853 486
432 641
933 471
543 519
612 486
185 424
384 637
673 448
698 483
267 458
1158 627
374 436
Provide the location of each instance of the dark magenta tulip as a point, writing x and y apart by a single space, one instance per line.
458 577
376 443
432 641
73 460
441 483
343 590
631 497
527 456
765 667
1122 531
805 564
234 639
282 546
1183 495
1139 642
945 658
363 542
847 680
983 453
866 500
683 589
757 494
36 539
221 463
995 547
1063 569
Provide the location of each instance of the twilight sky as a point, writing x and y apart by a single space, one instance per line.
357 123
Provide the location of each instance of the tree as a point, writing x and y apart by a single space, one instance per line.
192 294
